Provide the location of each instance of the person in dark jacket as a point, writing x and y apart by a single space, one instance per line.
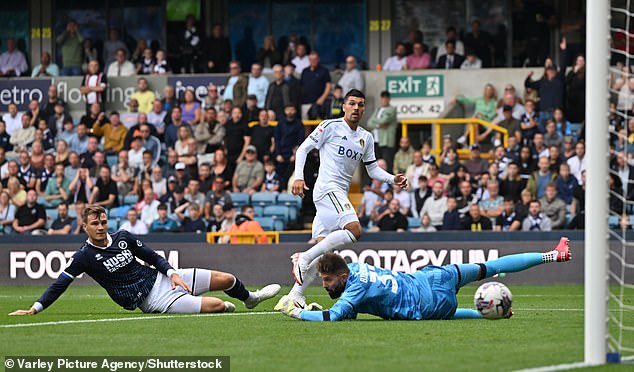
451 219
289 134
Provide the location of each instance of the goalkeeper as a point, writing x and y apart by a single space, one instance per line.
429 293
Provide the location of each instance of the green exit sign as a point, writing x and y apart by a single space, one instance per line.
415 86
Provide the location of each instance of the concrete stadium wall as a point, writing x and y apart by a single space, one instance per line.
39 261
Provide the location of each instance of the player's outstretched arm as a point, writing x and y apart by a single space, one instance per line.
31 311
50 295
379 174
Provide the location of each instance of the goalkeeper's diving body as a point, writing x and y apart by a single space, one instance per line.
427 294
110 259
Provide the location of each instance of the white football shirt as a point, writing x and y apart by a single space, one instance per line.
341 149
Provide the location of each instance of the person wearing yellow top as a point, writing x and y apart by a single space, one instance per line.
144 96
113 133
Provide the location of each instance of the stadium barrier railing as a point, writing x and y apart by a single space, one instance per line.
273 237
437 130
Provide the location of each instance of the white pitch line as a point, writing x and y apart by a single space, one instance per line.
103 320
557 367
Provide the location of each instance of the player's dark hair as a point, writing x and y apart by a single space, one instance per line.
354 93
92 210
332 263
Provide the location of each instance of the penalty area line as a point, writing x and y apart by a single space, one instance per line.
106 320
558 367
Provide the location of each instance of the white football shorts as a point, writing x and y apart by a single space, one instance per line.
163 299
334 211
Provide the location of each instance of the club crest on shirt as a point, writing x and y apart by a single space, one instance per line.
346 206
98 257
362 142
138 243
123 244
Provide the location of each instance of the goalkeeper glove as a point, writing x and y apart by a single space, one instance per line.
286 306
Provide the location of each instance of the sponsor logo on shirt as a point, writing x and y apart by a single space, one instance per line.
120 260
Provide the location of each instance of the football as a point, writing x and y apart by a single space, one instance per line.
493 300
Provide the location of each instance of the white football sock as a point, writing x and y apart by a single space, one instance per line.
334 240
311 276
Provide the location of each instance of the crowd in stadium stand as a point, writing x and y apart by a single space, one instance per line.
169 165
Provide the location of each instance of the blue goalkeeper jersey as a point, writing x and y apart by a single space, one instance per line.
384 293
115 268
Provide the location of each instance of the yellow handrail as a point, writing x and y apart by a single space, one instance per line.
272 236
469 121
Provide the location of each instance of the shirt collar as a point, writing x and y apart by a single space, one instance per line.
108 237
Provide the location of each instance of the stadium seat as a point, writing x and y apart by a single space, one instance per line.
263 199
267 223
130 199
278 224
613 221
413 222
119 212
239 199
112 160
113 225
258 211
277 211
72 213
294 204
51 215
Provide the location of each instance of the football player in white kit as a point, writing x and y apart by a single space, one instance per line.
342 145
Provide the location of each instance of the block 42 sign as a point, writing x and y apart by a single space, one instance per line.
421 86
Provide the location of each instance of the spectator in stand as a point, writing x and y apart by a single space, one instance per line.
144 96
451 35
420 59
191 108
57 188
12 119
44 173
193 223
81 186
420 195
540 178
30 218
68 133
163 223
372 196
539 148
552 137
332 108
392 219
145 62
625 172
71 46
249 173
93 115
157 117
12 62
294 85
484 107
210 133
46 68
492 206
214 99
511 124
566 183
575 91
508 220
162 67
417 168
577 163
105 192
451 59
278 95
536 220
262 136
121 66
550 88
244 223
475 164
451 219
351 78
449 164
316 86
221 167
79 142
398 61
192 192
71 163
425 225
112 46
553 207
289 134
4 164
217 50
480 42
133 224
251 110
148 205
383 123
529 122
301 59
236 85
215 220
403 197
471 61
124 174
436 205
113 133
512 183
16 191
218 195
48 107
89 54
258 84
190 46
93 87
268 55
474 221
63 224
404 156
171 131
23 136
237 136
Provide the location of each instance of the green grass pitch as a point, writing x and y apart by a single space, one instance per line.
547 329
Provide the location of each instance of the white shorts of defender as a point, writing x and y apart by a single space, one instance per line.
163 299
334 211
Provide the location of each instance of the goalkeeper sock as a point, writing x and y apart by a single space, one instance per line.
334 240
514 263
237 290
